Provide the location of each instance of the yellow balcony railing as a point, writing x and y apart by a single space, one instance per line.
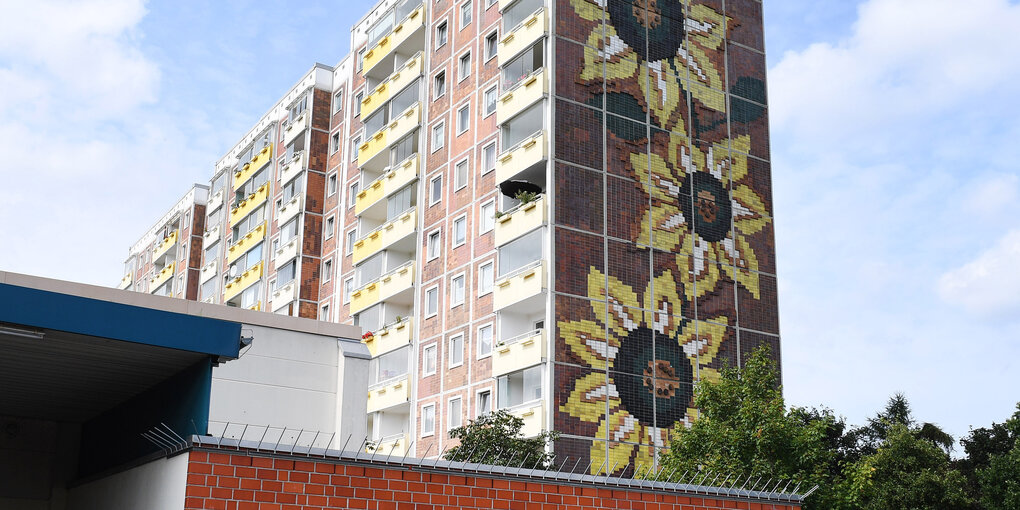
257 306
522 36
245 280
401 125
519 352
293 168
521 220
249 204
390 445
246 243
400 33
390 337
519 285
389 394
125 282
396 82
296 127
242 175
391 181
395 282
164 246
386 235
529 152
533 414
525 93
161 277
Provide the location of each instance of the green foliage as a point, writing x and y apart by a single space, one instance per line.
1000 481
525 197
992 464
495 439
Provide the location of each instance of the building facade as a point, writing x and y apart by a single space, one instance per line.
557 207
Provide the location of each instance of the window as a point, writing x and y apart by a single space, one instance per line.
485 278
483 403
331 185
429 360
353 197
519 387
465 14
439 85
338 101
485 340
438 136
348 289
463 118
522 66
464 67
459 231
355 145
334 143
428 420
456 350
454 417
431 302
388 366
329 227
489 158
357 103
327 270
212 252
432 245
440 34
286 273
352 237
490 46
489 101
488 217
489 3
460 175
435 190
360 60
324 316
457 291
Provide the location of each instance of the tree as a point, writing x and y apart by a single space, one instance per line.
496 439
992 464
745 430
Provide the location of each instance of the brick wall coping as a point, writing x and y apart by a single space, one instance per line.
254 448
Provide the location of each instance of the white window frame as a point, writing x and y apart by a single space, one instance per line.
324 312
495 35
348 290
468 9
463 121
467 174
444 28
357 103
338 101
453 231
485 103
352 237
495 155
432 430
435 86
332 184
425 350
441 128
488 390
492 339
437 245
486 220
450 350
492 283
352 198
463 71
450 414
330 227
454 301
327 270
425 304
432 183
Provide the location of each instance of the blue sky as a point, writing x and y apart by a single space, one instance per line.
897 187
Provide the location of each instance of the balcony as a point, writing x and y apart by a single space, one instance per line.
293 168
519 352
394 445
524 287
264 156
400 126
392 180
396 285
522 36
215 201
245 280
208 271
211 236
525 93
391 337
125 282
388 234
389 394
288 251
246 242
408 33
284 296
164 248
296 127
257 306
530 152
290 209
389 88
162 276
520 220
249 204
533 414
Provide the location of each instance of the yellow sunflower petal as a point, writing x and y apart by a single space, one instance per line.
706 35
620 308
702 339
587 340
754 218
746 262
587 10
587 400
705 273
663 304
664 95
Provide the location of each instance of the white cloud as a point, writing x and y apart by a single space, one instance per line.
990 284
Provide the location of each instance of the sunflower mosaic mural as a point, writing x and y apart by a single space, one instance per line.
674 91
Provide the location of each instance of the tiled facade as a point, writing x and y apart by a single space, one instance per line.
559 207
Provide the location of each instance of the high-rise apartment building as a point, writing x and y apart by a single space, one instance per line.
557 207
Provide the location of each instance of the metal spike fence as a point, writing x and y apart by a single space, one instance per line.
313 444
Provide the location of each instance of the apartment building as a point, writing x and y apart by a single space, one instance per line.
167 259
561 208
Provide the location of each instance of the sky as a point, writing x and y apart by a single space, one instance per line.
895 168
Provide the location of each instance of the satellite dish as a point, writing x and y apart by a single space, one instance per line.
512 188
233 271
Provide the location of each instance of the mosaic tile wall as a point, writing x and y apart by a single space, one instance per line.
665 265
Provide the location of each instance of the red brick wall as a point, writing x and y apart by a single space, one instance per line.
237 481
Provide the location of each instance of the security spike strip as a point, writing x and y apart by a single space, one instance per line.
810 491
526 457
796 488
243 431
599 470
342 448
312 444
331 438
587 468
296 440
755 484
221 435
575 465
407 451
472 452
166 437
785 486
174 433
611 471
565 459
277 445
264 432
194 427
427 450
439 457
361 447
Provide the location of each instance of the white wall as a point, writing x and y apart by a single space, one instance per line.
157 485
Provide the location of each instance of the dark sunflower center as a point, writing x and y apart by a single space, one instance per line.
655 377
658 21
710 208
